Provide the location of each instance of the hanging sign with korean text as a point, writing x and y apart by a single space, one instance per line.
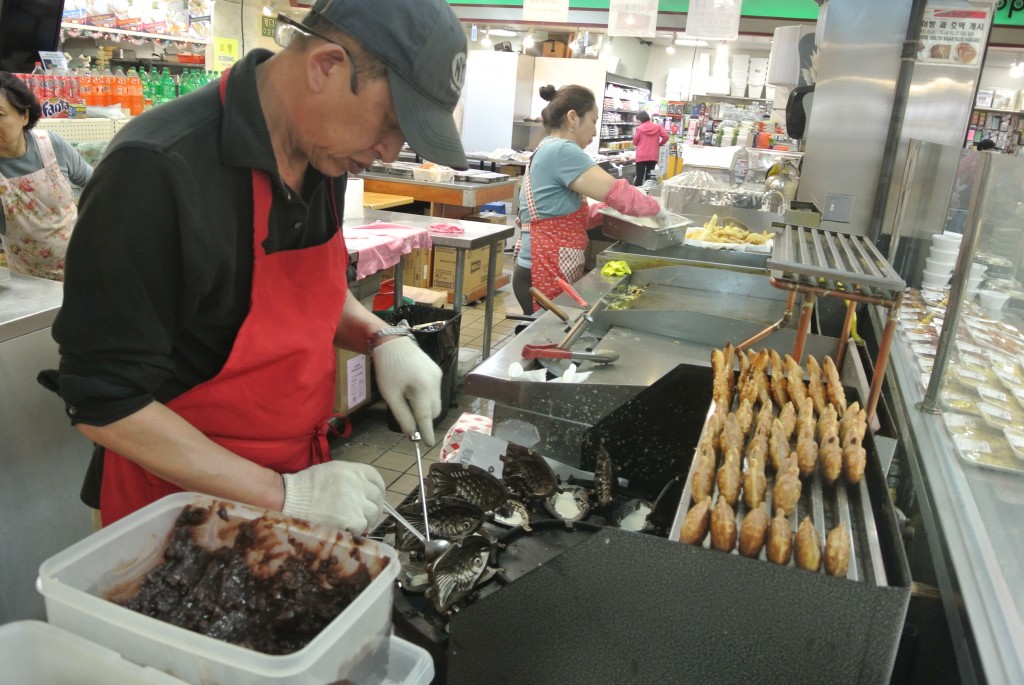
633 18
554 11
714 19
953 35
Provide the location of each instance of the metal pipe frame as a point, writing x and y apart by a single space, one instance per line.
787 316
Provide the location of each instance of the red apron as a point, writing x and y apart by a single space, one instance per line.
271 401
558 245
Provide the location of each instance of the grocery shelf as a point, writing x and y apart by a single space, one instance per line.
83 130
89 28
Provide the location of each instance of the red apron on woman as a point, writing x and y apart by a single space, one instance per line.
271 401
558 245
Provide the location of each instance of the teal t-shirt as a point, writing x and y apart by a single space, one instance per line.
552 168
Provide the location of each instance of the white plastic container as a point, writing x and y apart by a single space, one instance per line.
993 300
946 241
37 653
409 665
938 266
943 254
73 582
931 279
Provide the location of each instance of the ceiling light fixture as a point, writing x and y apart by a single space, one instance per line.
690 42
268 11
528 41
670 50
505 32
486 40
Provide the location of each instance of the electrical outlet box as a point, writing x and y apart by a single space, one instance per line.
838 208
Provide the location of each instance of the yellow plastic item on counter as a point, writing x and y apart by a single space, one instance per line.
616 268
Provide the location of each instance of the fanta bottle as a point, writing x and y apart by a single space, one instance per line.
121 95
134 92
107 79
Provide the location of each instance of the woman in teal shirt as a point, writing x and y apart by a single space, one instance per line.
554 214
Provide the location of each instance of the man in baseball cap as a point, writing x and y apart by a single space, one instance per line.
423 48
206 287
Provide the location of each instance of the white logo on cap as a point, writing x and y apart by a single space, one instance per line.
458 72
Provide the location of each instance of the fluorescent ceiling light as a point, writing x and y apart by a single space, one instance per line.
670 50
691 42
505 32
528 41
486 41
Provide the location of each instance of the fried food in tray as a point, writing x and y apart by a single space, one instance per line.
780 539
755 484
787 415
729 478
753 530
834 386
726 232
723 526
695 523
745 414
778 445
702 481
795 381
837 552
830 457
806 451
778 381
786 493
721 388
808 546
815 385
855 459
732 435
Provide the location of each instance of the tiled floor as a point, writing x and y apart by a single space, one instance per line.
393 455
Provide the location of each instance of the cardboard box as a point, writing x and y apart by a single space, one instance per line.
475 274
431 298
352 376
416 268
553 48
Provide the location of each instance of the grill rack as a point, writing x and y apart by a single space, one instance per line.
819 263
828 505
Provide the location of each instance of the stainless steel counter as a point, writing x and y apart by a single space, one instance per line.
976 530
43 456
475 234
685 314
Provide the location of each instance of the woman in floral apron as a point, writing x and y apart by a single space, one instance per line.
554 214
37 169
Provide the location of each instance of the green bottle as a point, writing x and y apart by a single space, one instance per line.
168 89
185 83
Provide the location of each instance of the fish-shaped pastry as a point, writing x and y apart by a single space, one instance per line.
526 473
513 513
570 505
458 570
604 478
450 518
469 482
632 515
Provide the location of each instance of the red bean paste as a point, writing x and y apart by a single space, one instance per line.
219 595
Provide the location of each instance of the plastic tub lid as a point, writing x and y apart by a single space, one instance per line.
37 653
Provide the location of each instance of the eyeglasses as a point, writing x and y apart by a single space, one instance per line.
287 29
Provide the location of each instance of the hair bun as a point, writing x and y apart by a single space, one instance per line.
547 92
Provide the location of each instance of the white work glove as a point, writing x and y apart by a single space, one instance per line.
340 494
410 383
663 218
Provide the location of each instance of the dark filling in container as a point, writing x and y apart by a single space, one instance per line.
219 594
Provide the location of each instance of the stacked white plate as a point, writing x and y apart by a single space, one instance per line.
941 259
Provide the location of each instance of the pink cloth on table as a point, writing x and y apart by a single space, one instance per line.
380 245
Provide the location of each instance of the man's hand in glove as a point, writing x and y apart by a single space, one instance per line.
410 383
341 494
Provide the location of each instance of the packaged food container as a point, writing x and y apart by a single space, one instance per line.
355 645
435 174
37 653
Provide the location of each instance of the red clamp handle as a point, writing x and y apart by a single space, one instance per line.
551 351
570 291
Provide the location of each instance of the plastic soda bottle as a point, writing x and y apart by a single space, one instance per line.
185 83
134 92
121 95
168 90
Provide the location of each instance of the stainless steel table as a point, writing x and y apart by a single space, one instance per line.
43 456
476 234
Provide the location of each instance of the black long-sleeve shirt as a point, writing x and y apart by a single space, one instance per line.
159 268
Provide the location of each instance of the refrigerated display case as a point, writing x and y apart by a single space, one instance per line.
956 390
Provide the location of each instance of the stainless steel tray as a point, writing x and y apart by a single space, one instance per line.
638 231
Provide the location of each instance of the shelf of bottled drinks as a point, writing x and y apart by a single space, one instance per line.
66 94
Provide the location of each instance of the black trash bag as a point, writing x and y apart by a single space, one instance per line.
440 341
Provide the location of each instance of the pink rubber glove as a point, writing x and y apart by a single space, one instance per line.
631 200
594 217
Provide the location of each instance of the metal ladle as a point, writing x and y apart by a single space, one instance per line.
432 549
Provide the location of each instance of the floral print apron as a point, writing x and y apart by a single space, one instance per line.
558 244
40 211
